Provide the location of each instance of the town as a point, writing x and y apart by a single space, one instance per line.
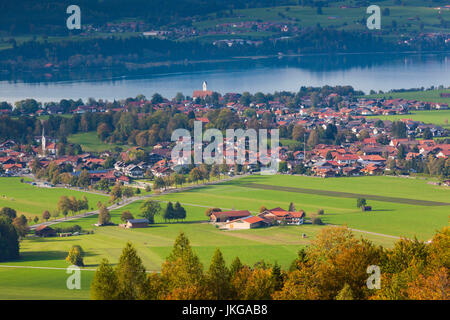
324 132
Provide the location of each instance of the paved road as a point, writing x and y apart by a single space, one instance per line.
127 201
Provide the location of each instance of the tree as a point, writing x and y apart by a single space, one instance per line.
104 285
8 212
64 205
298 133
195 175
360 202
182 272
180 212
316 220
75 256
291 207
427 134
104 217
218 277
159 183
84 179
131 276
169 212
149 209
9 240
21 225
313 138
345 294
116 192
262 209
128 192
46 215
235 267
126 215
179 179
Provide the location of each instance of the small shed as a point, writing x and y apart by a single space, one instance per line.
45 231
137 223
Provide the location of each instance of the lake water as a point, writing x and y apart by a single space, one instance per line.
363 72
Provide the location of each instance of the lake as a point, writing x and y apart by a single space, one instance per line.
362 71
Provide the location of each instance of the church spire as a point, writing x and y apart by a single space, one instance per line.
43 142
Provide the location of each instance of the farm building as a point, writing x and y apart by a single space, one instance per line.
249 222
45 231
280 215
225 216
136 223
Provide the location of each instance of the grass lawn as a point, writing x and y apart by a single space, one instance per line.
426 96
438 117
90 142
33 201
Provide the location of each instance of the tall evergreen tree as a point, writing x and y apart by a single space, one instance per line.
218 278
182 271
9 240
104 286
131 276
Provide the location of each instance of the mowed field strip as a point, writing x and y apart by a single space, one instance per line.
340 194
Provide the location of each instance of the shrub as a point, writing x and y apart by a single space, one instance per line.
316 220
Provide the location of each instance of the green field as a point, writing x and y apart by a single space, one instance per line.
388 221
438 117
426 96
33 201
90 142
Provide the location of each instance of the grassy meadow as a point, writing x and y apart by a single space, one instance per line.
90 142
33 201
426 96
383 226
438 117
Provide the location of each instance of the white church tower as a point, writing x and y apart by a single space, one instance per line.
43 141
205 86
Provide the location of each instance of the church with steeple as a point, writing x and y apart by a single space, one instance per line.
47 149
202 93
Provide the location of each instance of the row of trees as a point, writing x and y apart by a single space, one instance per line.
71 204
334 266
151 208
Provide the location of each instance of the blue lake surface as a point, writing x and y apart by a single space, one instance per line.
362 71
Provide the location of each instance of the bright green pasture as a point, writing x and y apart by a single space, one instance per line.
382 226
41 284
33 201
426 96
388 218
438 117
90 142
